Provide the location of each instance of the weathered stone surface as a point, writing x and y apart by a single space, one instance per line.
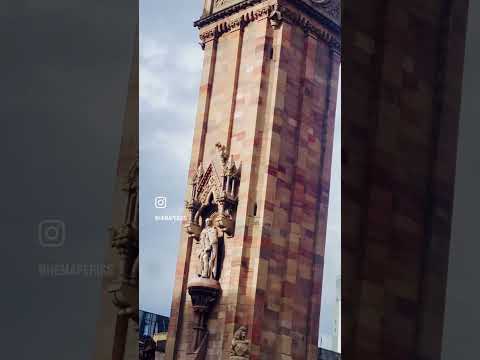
402 69
329 9
117 326
268 92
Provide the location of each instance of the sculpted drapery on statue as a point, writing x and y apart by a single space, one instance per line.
208 251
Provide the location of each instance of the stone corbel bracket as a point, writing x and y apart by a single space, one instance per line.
204 294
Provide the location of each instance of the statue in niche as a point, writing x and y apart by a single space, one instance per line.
240 344
208 251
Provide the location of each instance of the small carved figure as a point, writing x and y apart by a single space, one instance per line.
276 19
208 251
240 344
222 152
200 171
230 167
196 177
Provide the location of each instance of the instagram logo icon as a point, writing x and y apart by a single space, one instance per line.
51 233
160 202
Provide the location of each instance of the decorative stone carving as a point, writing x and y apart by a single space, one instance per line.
214 192
276 19
212 209
208 251
329 7
204 293
124 239
236 23
219 3
240 345
327 14
225 3
222 152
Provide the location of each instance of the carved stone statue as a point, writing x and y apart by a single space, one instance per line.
240 345
200 171
222 152
208 251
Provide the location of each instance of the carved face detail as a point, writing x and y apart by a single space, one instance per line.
208 222
241 333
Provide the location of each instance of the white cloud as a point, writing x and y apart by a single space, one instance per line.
169 75
152 52
188 55
153 91
168 145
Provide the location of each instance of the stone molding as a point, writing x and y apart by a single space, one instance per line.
331 8
276 12
297 18
328 12
230 25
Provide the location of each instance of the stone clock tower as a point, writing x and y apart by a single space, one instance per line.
249 274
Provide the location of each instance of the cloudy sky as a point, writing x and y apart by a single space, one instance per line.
170 64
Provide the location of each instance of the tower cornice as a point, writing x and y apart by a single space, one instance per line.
241 14
326 13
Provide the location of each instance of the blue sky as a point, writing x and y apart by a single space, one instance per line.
170 64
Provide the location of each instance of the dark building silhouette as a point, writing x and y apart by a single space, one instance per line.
399 149
324 354
151 323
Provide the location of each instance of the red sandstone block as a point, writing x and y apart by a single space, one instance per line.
269 206
239 136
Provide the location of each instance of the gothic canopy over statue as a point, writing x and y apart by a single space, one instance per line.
214 195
